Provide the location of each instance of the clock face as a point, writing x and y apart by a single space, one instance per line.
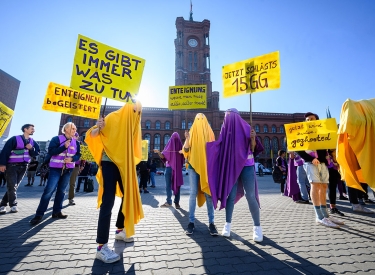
192 42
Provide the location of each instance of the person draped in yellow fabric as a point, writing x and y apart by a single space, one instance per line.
116 145
195 151
355 148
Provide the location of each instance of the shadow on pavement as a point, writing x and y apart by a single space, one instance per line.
115 268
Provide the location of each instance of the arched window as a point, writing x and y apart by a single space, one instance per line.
157 125
282 129
265 129
183 124
283 141
189 124
257 128
157 141
167 125
148 137
275 145
69 119
148 124
266 144
273 129
86 122
166 139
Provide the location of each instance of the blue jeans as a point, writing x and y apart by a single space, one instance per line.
152 176
168 187
303 182
194 179
56 182
248 181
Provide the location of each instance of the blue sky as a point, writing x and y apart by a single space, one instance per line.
326 49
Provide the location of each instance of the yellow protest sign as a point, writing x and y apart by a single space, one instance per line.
187 97
145 150
252 75
65 100
105 71
311 135
86 154
6 115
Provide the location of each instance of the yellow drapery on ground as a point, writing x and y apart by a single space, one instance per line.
200 133
356 142
121 140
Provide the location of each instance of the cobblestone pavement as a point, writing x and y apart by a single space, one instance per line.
293 242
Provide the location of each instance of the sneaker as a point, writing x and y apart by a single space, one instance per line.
166 205
36 220
213 230
190 228
369 201
226 230
177 205
257 234
27 184
336 211
302 201
153 186
327 222
71 202
361 202
336 221
362 209
146 191
13 209
121 236
343 198
3 210
107 255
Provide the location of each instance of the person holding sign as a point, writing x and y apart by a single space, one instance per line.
64 151
195 151
317 172
116 145
231 170
173 166
14 159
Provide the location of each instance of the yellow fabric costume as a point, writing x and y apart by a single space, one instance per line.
356 143
200 133
122 142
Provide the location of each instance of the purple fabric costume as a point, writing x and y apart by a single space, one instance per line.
226 158
292 188
175 160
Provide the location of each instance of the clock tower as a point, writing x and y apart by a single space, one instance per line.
192 50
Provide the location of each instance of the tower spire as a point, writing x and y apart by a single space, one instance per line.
191 11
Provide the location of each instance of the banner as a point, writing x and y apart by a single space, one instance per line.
145 150
6 115
256 74
105 71
187 97
312 135
86 154
65 100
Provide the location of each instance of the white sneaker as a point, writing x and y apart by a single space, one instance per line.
362 209
327 222
257 234
122 237
334 220
107 255
14 209
3 210
226 230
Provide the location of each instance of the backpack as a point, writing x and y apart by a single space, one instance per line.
277 175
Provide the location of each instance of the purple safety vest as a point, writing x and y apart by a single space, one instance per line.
298 161
57 161
25 157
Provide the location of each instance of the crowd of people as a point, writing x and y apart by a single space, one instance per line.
220 173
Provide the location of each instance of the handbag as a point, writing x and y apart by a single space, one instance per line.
277 175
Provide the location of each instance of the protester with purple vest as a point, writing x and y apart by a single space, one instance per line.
64 151
74 175
14 159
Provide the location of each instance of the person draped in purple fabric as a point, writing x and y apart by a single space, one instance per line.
173 172
291 188
230 165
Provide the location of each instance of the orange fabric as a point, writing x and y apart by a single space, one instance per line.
121 141
200 133
356 142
